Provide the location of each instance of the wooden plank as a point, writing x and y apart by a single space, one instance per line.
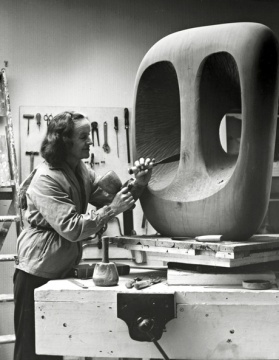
7 339
261 248
11 218
5 226
5 174
257 242
186 277
6 297
214 261
7 257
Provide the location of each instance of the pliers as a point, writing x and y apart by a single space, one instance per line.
94 129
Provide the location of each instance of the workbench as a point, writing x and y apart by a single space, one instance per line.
209 322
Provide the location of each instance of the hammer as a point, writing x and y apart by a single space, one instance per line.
32 155
28 117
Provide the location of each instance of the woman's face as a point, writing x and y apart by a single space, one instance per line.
81 140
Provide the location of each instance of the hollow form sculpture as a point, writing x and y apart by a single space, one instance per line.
185 85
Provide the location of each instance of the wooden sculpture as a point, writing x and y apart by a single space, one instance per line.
185 85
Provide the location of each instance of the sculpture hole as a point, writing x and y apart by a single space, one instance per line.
219 96
157 121
230 133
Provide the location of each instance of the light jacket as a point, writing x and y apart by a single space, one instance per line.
56 213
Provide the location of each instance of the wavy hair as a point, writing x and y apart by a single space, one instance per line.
54 148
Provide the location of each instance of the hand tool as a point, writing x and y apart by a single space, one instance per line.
130 283
166 160
146 283
38 118
128 222
92 161
78 283
28 117
94 129
209 238
48 118
126 116
116 130
105 273
32 154
106 145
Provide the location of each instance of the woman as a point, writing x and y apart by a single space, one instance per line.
57 198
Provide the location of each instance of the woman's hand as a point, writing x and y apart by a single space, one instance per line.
143 170
122 201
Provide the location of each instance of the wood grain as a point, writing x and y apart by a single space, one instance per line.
185 85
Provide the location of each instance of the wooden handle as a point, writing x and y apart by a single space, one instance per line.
105 242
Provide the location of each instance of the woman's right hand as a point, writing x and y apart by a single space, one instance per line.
122 201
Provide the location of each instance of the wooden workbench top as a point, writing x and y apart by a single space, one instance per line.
66 290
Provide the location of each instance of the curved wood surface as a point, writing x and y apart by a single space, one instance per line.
185 85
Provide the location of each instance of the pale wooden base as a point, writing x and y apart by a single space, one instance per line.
258 249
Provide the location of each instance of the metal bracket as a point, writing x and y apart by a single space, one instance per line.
132 308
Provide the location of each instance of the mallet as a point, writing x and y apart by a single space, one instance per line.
28 117
32 154
105 272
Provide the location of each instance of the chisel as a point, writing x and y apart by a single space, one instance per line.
116 130
126 116
166 160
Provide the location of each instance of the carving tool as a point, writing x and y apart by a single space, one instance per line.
78 283
94 129
166 160
116 130
28 117
32 154
126 116
145 283
209 238
38 118
130 283
106 145
92 161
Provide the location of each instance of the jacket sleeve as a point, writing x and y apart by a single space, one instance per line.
56 207
106 187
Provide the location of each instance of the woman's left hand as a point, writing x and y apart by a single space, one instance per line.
143 171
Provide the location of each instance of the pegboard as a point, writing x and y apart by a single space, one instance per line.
104 162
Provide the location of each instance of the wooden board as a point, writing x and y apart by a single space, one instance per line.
5 174
257 249
211 322
184 277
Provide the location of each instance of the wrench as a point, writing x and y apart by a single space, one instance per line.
106 145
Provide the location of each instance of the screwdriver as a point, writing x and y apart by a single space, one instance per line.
116 130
